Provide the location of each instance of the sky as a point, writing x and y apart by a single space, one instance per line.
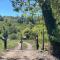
6 9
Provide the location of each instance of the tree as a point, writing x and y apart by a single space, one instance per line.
30 7
1 18
51 25
50 21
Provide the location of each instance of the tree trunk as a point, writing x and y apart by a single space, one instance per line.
50 23
55 49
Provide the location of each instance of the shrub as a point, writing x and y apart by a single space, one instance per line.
1 18
28 33
13 29
0 31
13 36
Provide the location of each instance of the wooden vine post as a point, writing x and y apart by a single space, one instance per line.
37 45
43 40
21 42
5 37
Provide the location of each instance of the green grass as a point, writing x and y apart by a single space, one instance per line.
1 45
32 42
36 28
24 45
10 44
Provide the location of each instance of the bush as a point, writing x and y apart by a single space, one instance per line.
28 33
13 36
0 31
13 29
1 18
32 35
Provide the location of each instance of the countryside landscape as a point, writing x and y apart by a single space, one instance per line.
30 30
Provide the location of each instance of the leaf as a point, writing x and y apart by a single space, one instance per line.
16 9
26 9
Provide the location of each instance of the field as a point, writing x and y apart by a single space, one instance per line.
16 30
10 45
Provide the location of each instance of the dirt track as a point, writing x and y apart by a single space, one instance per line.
28 54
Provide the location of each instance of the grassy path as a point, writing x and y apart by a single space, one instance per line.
21 54
29 54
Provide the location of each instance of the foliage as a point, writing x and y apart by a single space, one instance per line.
12 29
28 33
11 44
30 7
13 36
1 18
31 20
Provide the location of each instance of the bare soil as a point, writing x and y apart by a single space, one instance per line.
27 54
